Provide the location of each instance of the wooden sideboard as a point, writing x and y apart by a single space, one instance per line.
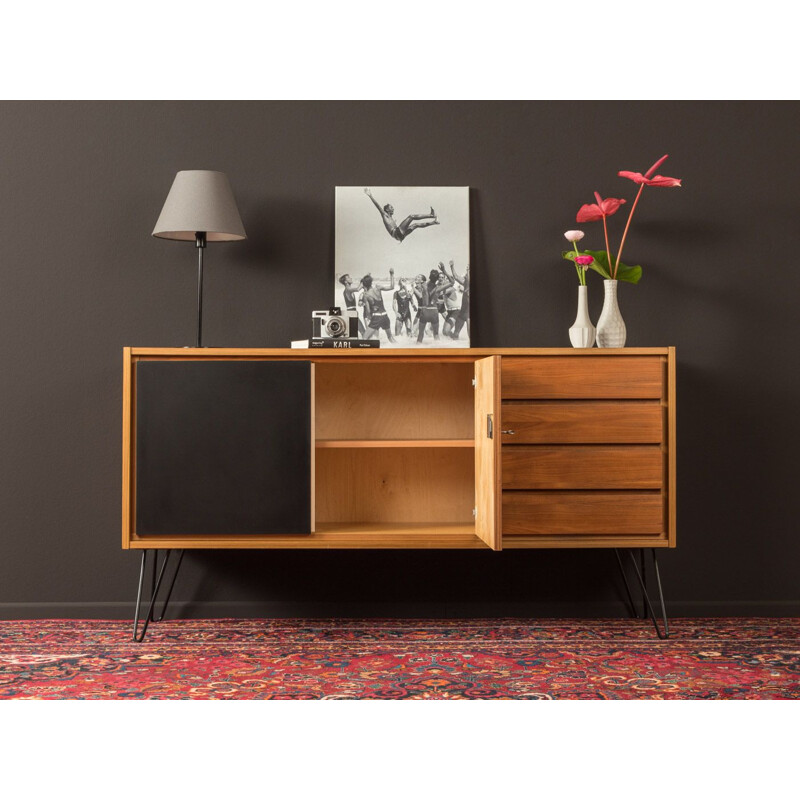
374 448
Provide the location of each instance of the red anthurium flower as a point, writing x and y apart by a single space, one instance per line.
657 180
591 212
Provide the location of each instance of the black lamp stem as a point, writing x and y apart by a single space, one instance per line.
200 244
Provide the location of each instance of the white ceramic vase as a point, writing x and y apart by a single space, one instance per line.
610 327
582 332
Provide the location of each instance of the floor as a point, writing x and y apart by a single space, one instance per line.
523 659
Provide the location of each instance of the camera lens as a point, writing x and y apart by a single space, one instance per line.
335 327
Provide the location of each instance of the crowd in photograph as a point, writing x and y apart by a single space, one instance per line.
423 307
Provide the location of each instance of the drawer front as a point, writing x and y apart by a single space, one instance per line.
583 422
626 513
582 377
582 467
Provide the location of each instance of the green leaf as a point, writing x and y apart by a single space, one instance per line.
601 266
596 265
629 274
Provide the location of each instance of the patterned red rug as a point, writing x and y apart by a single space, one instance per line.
400 659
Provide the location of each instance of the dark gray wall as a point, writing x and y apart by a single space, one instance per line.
81 185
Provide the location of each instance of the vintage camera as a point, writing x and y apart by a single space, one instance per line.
332 324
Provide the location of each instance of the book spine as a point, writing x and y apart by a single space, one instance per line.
344 344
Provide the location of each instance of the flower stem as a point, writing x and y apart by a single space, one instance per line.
608 249
625 233
578 267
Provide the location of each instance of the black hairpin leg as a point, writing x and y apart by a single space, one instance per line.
157 578
634 611
647 606
171 586
644 582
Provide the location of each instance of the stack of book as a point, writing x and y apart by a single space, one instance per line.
353 344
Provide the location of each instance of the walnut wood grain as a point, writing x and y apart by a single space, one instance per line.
394 400
575 394
583 422
582 512
593 378
127 452
373 443
313 454
351 535
581 541
383 355
487 451
395 485
582 467
671 411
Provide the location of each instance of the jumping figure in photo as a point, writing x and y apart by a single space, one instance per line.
409 224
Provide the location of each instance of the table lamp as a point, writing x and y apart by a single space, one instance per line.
200 208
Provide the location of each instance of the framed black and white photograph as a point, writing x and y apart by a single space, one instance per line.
402 263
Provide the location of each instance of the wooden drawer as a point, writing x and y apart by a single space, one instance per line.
583 422
582 467
584 377
627 513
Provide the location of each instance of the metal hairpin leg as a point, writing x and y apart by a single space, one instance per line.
644 581
171 586
647 606
155 587
634 610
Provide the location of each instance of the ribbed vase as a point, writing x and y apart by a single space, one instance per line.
610 327
582 332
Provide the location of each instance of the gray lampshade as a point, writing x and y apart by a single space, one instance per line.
200 200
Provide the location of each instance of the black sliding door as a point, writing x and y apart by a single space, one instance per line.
223 447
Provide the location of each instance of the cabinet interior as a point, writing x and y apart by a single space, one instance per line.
394 446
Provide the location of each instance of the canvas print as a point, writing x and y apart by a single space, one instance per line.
402 263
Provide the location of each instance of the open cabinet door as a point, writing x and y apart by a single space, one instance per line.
487 451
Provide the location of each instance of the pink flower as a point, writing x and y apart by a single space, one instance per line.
658 180
591 212
584 261
573 236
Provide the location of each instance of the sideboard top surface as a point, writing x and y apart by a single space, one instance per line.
468 353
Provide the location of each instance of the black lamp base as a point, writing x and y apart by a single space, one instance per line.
200 244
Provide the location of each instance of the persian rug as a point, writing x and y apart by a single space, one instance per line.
338 659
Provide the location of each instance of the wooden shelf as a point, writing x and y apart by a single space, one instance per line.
402 535
335 535
354 443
